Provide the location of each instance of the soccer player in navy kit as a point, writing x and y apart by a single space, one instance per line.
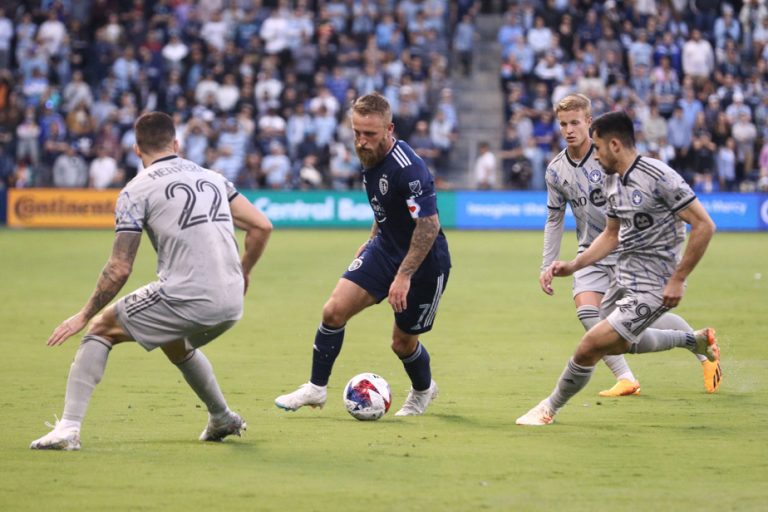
405 260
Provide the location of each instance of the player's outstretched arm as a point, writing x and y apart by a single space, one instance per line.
111 281
702 229
553 236
424 235
600 248
257 230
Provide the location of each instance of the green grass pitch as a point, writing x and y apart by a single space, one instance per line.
497 348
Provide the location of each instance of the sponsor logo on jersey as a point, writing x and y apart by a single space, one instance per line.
637 198
415 187
595 176
378 211
383 185
356 264
413 207
596 197
642 221
577 202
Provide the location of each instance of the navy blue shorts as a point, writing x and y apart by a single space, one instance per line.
374 272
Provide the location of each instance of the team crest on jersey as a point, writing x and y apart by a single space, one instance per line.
415 187
637 198
594 176
356 264
383 185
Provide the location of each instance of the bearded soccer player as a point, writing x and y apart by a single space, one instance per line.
189 214
648 205
575 178
405 260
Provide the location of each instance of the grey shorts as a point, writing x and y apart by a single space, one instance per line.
153 321
632 312
594 278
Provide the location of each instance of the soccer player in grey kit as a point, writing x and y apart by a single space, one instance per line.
648 206
189 214
575 178
405 260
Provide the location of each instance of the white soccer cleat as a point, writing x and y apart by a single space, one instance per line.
60 438
538 416
218 429
417 401
308 394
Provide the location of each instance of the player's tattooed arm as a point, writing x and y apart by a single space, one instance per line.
115 273
423 238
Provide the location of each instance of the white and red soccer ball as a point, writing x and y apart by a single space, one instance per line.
367 396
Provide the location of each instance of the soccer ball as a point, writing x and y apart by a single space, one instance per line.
367 396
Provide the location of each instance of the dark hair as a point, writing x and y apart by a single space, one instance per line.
154 132
616 125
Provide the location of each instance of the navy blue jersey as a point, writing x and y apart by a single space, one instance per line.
400 189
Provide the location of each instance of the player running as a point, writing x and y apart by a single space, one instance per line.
189 214
648 204
405 260
575 177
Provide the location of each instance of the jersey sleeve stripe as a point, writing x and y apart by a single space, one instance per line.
230 198
398 158
131 230
650 168
401 157
653 173
683 204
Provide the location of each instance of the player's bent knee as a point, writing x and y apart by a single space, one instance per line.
334 315
404 346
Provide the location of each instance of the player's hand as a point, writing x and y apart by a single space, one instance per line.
673 292
545 281
67 328
247 279
561 268
398 291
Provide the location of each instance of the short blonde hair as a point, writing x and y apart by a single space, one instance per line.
373 103
574 102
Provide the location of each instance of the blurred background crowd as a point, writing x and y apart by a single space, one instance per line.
260 89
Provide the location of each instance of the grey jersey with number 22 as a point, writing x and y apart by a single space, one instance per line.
184 209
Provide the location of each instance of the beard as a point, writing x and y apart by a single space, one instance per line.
371 156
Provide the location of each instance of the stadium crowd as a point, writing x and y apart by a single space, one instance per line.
691 73
260 89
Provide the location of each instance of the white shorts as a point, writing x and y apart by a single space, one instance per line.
153 321
632 312
594 278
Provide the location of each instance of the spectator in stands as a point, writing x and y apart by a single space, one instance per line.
745 134
103 172
276 167
463 43
726 165
698 57
515 169
70 169
484 170
6 36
